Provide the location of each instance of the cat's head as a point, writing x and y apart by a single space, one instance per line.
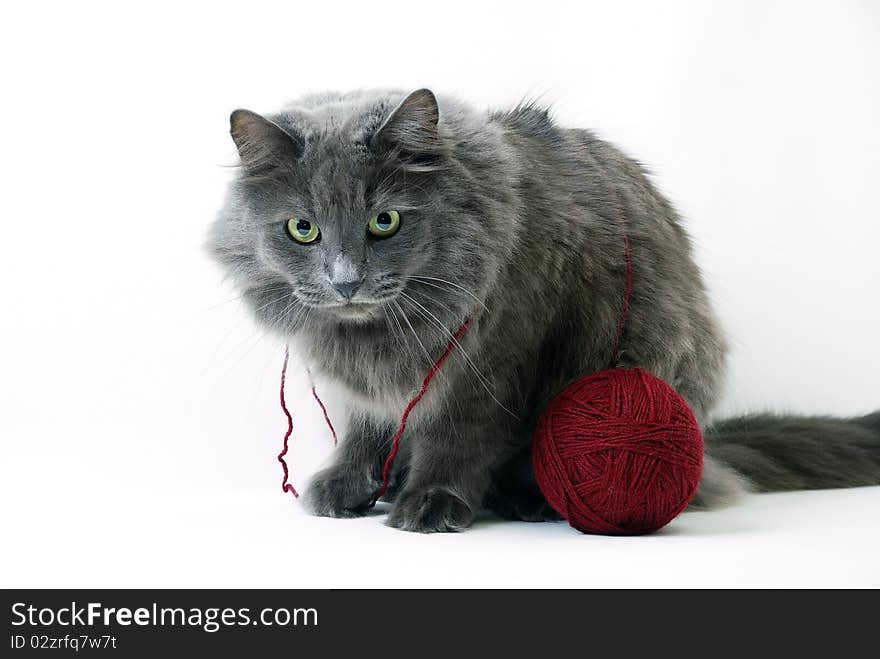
346 205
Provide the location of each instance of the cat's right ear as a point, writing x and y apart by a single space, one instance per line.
410 131
262 144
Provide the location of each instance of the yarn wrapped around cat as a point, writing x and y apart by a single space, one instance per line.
618 452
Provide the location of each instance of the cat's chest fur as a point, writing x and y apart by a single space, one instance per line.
379 373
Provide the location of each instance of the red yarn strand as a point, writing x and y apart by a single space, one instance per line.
324 410
626 294
285 486
395 443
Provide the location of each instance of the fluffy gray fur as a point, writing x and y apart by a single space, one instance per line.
519 222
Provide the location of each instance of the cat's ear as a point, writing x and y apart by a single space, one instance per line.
410 130
262 144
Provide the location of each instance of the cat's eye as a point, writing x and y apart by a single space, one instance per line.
384 224
303 231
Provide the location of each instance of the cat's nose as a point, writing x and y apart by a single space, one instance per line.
345 277
347 288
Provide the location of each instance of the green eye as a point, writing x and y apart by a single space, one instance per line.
303 231
384 224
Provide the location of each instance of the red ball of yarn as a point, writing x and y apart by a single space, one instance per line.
618 452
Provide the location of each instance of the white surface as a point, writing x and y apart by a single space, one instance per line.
213 540
139 420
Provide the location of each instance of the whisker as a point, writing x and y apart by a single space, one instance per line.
480 377
414 333
422 278
399 338
430 298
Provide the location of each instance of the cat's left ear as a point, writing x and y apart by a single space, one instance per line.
262 144
411 128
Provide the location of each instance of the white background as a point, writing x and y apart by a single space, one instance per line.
139 416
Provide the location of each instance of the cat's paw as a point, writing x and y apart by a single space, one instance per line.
338 492
430 510
523 506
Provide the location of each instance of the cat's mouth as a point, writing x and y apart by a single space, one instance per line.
357 311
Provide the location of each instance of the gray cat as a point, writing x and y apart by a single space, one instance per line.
367 227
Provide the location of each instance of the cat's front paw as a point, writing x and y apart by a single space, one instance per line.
339 492
524 506
430 510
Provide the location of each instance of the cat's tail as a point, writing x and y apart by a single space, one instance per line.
777 453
